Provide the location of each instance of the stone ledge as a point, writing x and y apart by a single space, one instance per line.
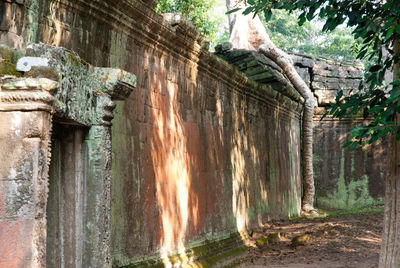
326 76
262 70
26 94
136 17
201 255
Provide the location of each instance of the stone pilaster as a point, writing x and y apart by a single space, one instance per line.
25 130
84 99
117 86
97 248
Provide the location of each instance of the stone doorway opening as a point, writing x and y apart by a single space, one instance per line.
67 196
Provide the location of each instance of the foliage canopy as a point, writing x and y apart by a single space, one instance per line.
286 34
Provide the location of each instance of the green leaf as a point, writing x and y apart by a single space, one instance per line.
398 28
375 68
347 144
353 147
373 139
362 54
339 95
394 95
302 20
389 33
310 14
387 6
232 11
267 15
248 11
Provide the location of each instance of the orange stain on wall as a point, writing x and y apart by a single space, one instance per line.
177 204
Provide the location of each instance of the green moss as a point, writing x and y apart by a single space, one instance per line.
207 254
354 211
8 61
353 195
7 68
262 241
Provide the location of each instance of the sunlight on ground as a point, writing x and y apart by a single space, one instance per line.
370 240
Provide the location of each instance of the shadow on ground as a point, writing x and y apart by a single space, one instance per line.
341 241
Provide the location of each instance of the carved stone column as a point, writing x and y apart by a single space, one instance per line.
98 198
25 128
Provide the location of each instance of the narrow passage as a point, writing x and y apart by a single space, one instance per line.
338 241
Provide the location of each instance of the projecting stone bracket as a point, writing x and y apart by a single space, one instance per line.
86 93
56 85
117 83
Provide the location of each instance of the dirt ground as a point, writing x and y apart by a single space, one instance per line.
341 241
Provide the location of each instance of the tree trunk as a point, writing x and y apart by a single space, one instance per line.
390 251
248 33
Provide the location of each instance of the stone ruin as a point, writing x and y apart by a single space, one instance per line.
343 180
126 144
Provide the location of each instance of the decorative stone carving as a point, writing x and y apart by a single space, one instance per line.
27 94
25 127
85 94
117 83
55 82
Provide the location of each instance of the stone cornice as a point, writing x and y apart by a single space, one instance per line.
177 37
135 18
27 94
118 83
239 82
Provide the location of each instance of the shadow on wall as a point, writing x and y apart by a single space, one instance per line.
190 158
241 149
220 165
344 179
213 170
177 202
265 157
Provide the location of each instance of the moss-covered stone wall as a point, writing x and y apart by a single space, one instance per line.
343 179
199 152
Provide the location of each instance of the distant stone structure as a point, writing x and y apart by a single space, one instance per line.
343 179
125 144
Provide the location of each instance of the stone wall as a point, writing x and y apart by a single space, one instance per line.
343 179
199 152
203 156
24 140
76 222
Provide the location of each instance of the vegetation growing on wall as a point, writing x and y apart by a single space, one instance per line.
197 11
355 194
